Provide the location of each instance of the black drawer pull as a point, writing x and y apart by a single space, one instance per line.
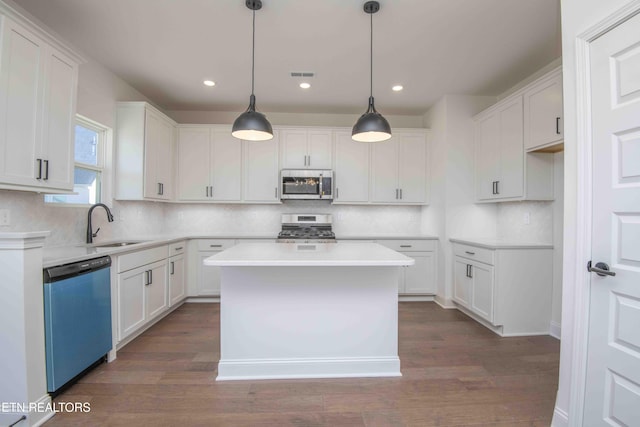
179 248
405 246
469 252
215 246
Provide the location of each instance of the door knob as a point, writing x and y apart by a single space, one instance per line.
601 269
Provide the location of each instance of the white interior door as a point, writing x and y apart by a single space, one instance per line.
612 394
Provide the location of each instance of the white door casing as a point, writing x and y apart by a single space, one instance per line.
612 391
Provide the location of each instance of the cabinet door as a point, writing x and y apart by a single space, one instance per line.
487 135
176 279
226 166
384 171
131 292
261 172
461 282
156 289
543 114
482 290
153 130
352 170
294 148
412 152
60 87
320 150
511 178
193 163
420 278
208 277
22 62
164 160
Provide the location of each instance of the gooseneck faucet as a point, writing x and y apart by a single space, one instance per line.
90 233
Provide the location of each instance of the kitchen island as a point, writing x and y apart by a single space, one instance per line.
308 310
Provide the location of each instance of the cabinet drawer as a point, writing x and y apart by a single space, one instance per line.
215 244
136 259
473 252
177 248
409 245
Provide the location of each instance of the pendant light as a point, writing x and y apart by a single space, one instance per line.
251 125
371 126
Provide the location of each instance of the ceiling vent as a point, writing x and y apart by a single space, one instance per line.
302 74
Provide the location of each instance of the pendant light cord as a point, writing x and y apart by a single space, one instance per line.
371 56
253 51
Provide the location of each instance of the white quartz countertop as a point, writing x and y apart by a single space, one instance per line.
501 243
308 254
58 255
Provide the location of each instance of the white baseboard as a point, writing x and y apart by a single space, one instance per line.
405 298
262 369
560 418
444 303
39 418
555 330
202 299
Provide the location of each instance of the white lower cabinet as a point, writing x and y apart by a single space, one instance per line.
207 277
177 283
142 288
420 278
509 287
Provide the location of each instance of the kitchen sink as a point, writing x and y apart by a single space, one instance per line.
116 244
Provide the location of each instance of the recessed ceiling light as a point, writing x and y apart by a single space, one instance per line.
209 83
305 85
397 88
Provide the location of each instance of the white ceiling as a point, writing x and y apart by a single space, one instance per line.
166 48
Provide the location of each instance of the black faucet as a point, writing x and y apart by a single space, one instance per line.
90 233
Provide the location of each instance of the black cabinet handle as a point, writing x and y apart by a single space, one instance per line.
215 246
497 187
172 267
469 252
558 125
405 246
46 170
179 248
39 169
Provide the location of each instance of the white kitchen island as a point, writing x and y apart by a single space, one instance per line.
322 310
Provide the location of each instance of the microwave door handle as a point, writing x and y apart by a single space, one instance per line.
320 189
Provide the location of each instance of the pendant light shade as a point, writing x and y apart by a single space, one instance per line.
252 125
371 126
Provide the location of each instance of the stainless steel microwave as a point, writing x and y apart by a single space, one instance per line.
306 184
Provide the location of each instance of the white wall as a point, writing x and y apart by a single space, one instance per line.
577 17
453 211
293 119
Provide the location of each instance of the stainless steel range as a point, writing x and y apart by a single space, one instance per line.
306 228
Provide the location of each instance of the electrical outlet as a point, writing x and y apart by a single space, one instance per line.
5 217
527 218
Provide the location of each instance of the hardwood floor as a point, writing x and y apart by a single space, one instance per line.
455 373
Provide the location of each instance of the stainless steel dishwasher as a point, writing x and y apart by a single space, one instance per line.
77 318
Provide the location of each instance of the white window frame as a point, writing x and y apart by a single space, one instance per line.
103 160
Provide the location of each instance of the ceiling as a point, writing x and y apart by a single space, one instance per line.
166 48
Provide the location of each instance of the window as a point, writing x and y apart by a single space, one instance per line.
89 165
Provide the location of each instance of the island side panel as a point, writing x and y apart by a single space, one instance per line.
308 322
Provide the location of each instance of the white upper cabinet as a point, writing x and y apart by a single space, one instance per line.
399 169
351 174
209 164
144 165
261 171
499 152
504 171
543 113
38 88
306 148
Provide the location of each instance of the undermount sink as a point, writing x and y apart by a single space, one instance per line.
116 244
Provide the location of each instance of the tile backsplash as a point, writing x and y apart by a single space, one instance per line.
28 212
511 223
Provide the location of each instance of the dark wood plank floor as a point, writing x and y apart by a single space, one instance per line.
455 373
